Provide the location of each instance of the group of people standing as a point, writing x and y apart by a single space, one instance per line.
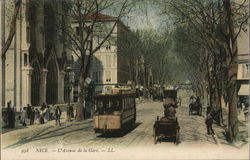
27 113
30 114
44 114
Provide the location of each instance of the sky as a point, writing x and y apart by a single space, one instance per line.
142 16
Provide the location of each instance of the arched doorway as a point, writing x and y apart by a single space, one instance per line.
35 85
51 83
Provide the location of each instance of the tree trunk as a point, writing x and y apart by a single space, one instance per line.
231 49
136 72
232 97
81 99
209 80
144 81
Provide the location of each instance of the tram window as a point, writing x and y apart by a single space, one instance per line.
129 102
125 107
115 105
105 104
126 103
123 104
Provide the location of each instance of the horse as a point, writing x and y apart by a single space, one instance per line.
197 107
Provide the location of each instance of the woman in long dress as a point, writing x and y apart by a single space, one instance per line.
37 114
46 114
24 116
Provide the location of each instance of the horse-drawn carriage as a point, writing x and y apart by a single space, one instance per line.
167 126
195 108
166 129
170 97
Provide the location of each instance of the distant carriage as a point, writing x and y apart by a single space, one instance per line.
114 111
195 108
170 97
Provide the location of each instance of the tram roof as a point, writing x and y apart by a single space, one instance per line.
114 94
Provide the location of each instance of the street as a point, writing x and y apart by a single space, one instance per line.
72 136
192 130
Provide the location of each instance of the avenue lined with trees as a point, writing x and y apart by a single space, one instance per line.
200 45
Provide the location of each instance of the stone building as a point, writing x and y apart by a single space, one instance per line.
109 66
243 75
33 71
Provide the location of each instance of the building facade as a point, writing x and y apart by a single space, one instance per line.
243 75
109 66
33 70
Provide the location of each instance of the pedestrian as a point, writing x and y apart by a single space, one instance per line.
209 124
239 105
47 113
29 110
43 106
37 114
11 116
71 111
68 110
58 113
5 117
24 116
245 111
41 119
32 116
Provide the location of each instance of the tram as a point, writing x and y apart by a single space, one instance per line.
114 111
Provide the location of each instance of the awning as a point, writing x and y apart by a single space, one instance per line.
244 90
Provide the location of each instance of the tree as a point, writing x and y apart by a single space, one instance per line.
87 15
148 54
216 22
130 45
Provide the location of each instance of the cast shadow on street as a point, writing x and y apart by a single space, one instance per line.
243 139
46 134
122 133
167 139
6 130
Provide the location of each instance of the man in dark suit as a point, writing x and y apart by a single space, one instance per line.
58 113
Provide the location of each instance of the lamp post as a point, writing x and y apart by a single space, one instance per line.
69 81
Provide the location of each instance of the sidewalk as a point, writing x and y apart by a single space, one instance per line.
19 132
14 137
221 132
